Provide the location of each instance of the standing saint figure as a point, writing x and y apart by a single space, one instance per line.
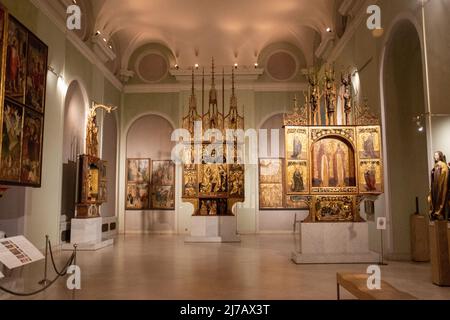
330 97
297 180
440 184
347 96
297 148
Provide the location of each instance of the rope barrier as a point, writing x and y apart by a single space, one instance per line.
50 283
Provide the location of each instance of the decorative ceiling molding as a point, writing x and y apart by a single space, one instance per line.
52 14
186 86
351 30
242 74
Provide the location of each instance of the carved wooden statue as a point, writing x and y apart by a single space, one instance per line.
440 183
346 81
330 97
314 98
92 129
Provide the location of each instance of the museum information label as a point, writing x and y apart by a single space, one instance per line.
17 252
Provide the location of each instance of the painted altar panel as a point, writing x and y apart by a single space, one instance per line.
270 171
271 196
213 180
297 162
335 208
190 181
236 178
163 185
370 177
370 163
333 160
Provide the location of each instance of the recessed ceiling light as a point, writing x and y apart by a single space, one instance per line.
196 66
329 30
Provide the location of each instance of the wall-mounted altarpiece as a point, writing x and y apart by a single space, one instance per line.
23 79
333 157
213 168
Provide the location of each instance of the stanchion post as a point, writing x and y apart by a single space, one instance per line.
45 281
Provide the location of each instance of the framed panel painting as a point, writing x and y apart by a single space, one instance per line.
297 178
369 142
271 196
31 163
163 198
163 173
138 170
137 196
370 177
36 74
270 171
11 149
16 65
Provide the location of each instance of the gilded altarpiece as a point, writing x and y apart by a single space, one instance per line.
213 170
332 167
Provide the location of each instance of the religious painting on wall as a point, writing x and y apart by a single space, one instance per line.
36 74
163 198
333 166
163 185
297 143
137 196
138 170
213 180
190 181
22 128
297 178
370 177
31 148
16 64
271 196
11 142
369 142
163 173
236 184
270 171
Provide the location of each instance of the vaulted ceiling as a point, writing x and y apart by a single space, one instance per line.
193 31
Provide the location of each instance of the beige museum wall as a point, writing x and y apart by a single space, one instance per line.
41 214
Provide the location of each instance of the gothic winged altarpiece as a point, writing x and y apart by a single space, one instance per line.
333 149
213 170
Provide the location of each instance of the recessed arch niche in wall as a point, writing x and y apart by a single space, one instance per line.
109 154
75 110
150 137
406 148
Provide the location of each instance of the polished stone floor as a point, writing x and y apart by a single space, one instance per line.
164 267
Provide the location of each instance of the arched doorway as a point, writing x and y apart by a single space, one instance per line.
75 109
149 137
406 146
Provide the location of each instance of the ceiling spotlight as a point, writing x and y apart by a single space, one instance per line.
104 39
329 30
196 66
236 65
97 33
176 66
110 46
256 64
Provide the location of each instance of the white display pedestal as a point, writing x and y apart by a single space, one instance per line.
87 234
213 229
334 243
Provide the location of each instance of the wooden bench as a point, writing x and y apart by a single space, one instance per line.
356 284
